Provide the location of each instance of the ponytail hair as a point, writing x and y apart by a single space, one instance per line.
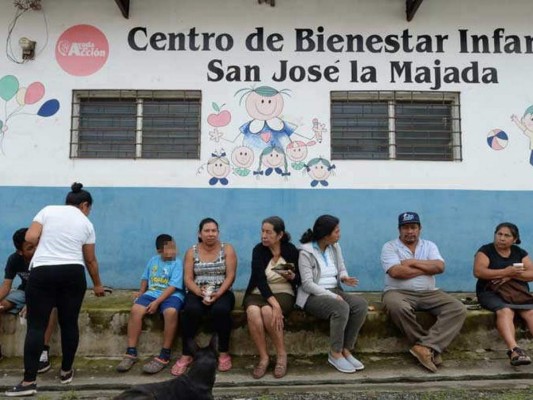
307 236
324 225
78 196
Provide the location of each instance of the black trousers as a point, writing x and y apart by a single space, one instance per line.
220 316
49 286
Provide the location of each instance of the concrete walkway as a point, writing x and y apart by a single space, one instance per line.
97 379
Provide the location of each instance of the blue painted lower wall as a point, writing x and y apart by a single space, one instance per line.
127 220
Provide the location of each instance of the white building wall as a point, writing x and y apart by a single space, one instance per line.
35 150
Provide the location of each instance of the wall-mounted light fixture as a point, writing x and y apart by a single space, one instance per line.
28 48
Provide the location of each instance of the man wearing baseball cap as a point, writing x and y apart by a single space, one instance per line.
410 264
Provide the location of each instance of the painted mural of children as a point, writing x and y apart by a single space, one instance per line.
14 301
218 167
297 152
526 125
161 291
319 169
243 158
266 129
273 159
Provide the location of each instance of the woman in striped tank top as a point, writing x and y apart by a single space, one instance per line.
209 272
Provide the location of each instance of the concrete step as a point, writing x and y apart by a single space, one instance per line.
103 329
463 376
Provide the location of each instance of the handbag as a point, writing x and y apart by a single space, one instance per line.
512 292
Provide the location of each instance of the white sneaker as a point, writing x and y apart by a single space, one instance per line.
341 364
358 365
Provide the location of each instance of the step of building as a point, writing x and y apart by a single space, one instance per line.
103 330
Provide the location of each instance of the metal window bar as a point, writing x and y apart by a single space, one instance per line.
74 123
418 125
170 128
392 130
359 129
456 130
139 129
136 123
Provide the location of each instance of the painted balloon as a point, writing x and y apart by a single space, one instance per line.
34 93
9 86
49 108
21 94
497 139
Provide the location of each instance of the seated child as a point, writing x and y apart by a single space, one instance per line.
161 291
14 301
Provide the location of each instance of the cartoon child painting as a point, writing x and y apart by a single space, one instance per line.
218 167
297 152
273 159
265 104
319 169
243 158
526 125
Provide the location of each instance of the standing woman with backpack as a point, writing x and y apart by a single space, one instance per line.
65 241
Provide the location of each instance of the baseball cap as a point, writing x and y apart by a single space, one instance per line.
408 217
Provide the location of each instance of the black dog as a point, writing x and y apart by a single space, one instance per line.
197 384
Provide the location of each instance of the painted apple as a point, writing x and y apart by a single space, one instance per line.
220 118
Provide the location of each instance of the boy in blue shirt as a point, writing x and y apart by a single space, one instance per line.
161 291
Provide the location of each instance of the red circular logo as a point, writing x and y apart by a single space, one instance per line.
82 50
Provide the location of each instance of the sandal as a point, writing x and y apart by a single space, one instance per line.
280 370
155 365
260 370
126 363
180 366
517 357
224 363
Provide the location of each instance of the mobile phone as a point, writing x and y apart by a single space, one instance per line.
284 267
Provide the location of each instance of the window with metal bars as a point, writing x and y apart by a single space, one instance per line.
156 124
395 126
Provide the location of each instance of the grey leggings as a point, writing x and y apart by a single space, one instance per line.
345 317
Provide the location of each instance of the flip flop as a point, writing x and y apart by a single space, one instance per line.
224 363
180 366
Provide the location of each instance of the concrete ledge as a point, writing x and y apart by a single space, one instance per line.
103 327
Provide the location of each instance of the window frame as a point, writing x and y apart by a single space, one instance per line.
140 97
392 98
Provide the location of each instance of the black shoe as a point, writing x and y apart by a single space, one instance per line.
19 390
67 378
